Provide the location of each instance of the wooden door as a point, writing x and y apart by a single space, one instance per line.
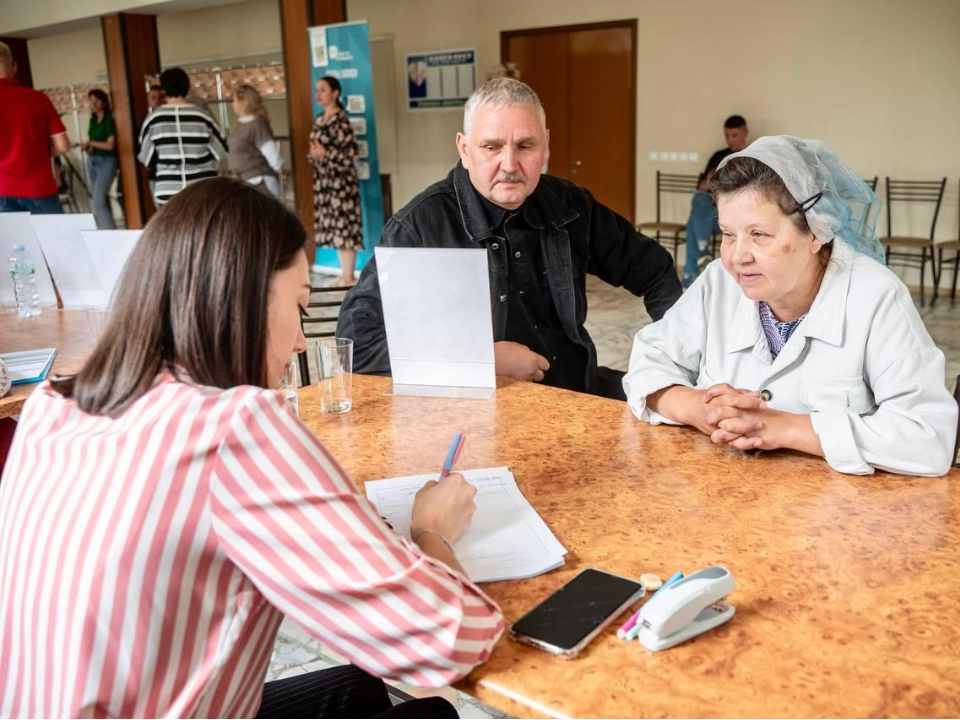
585 76
542 58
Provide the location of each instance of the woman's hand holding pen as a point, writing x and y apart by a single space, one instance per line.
446 507
442 510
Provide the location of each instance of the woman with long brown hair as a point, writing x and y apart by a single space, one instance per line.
163 510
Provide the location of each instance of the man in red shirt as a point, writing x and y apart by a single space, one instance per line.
31 132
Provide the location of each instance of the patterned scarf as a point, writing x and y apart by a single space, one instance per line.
777 332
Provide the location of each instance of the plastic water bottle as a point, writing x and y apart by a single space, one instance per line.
289 385
23 272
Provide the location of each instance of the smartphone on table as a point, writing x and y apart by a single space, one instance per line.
566 621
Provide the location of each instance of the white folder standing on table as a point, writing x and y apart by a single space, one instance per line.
436 310
16 228
109 250
69 262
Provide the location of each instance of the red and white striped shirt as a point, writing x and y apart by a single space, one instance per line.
147 561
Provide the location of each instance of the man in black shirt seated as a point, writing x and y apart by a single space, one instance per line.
543 235
702 223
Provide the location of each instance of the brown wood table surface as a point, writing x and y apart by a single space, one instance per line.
846 598
66 330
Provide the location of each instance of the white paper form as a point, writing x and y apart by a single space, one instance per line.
507 539
68 259
436 310
109 250
17 228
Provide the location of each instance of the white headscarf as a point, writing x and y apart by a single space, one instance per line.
835 201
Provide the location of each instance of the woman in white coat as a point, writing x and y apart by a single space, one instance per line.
799 337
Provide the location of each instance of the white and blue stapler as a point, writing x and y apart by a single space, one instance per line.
686 608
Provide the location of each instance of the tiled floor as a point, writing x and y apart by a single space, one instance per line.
296 653
613 319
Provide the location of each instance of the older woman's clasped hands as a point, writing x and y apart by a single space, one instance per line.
734 416
742 419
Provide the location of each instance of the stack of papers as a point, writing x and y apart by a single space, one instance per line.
29 366
507 539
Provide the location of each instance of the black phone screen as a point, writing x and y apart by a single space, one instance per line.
572 612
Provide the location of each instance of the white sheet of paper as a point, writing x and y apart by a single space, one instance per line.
436 309
507 539
68 259
109 251
17 228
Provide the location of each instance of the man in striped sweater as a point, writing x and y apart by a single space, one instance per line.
185 141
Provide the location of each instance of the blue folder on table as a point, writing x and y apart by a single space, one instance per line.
28 366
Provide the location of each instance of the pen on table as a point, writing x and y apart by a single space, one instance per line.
629 630
456 445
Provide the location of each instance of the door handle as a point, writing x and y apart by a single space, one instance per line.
575 163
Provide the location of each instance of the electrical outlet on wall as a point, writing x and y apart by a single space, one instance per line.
674 156
684 156
694 157
654 156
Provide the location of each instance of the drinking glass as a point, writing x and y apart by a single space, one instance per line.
335 367
289 385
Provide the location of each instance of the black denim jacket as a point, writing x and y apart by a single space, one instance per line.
578 236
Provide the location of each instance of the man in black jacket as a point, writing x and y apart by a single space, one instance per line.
543 235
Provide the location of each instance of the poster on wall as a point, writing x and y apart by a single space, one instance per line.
440 80
342 51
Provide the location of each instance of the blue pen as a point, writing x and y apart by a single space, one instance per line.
673 578
635 630
456 445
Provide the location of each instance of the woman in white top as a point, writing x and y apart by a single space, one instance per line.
799 337
254 155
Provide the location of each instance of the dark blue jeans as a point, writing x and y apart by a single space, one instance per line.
49 205
101 170
700 226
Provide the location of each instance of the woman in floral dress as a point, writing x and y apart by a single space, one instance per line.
336 188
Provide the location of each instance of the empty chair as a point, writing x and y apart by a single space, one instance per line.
660 229
905 247
948 246
320 321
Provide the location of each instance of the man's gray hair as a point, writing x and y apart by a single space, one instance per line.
6 56
500 93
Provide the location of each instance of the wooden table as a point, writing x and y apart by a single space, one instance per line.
66 330
847 587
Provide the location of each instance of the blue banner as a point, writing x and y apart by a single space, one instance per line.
343 52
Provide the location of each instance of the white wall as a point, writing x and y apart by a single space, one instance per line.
242 29
18 16
67 59
235 31
875 79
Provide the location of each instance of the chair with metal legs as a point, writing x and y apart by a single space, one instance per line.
904 247
320 321
670 183
948 246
